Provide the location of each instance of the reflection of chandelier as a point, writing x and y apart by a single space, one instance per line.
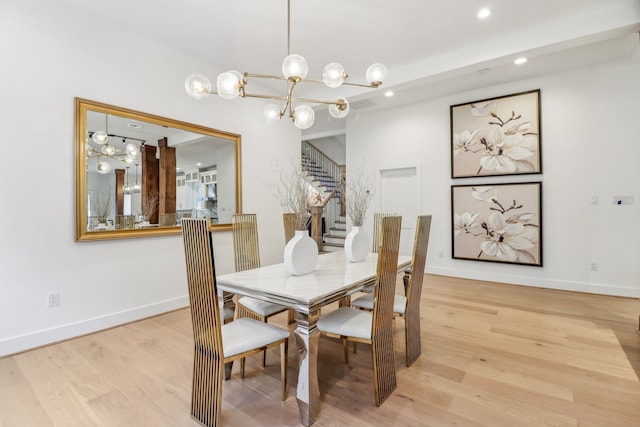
136 187
231 84
127 187
127 155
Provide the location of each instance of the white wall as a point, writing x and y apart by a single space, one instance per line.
51 54
333 147
590 126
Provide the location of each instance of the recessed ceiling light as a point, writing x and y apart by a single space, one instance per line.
520 61
484 13
134 125
388 93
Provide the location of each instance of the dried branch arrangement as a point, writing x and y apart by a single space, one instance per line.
356 196
293 195
102 205
149 204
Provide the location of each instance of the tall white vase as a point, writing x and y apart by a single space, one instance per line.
356 245
301 254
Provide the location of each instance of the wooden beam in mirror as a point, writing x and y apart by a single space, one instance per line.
138 175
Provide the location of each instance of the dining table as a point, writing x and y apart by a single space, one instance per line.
334 279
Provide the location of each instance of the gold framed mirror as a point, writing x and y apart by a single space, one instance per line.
138 175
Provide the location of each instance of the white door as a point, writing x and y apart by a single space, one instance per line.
400 192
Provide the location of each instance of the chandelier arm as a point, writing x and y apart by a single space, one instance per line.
289 104
257 95
307 80
266 76
113 135
115 157
314 101
370 86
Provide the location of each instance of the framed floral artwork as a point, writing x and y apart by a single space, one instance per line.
497 136
497 222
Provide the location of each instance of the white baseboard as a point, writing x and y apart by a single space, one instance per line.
564 285
43 337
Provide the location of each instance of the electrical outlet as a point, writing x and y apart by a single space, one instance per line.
440 253
593 266
53 299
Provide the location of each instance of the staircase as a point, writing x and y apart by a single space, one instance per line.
324 175
334 239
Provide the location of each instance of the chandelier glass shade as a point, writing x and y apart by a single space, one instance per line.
232 84
103 167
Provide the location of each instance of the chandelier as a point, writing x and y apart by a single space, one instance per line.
232 84
128 154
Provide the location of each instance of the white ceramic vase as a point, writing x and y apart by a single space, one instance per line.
301 254
356 244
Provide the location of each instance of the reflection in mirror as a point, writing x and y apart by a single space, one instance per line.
139 174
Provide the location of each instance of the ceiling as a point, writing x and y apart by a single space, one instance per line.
431 48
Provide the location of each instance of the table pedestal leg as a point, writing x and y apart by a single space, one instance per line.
307 341
227 298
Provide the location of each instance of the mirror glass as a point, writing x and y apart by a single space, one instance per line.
138 174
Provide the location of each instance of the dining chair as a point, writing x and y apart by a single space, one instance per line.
217 345
247 256
289 220
377 223
167 219
409 306
373 327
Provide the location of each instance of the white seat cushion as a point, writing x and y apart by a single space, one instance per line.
263 308
247 334
347 321
226 312
366 302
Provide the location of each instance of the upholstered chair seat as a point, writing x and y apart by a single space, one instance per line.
347 322
245 334
366 303
262 308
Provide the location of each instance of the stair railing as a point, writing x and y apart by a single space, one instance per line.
329 174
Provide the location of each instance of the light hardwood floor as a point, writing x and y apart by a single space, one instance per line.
493 355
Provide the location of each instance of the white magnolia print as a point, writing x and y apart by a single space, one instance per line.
506 233
501 140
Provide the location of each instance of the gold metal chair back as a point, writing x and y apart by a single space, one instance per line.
377 223
245 241
384 369
289 220
414 288
247 256
208 366
167 219
125 221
